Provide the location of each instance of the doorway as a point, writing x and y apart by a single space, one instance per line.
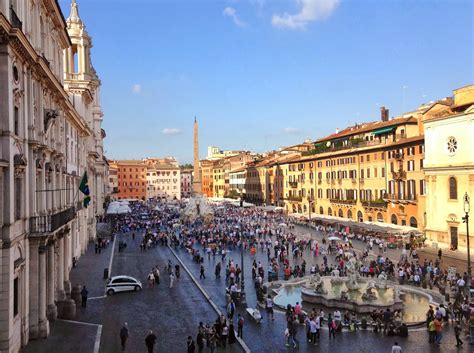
454 237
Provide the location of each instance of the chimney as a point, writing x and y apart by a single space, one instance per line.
337 130
384 113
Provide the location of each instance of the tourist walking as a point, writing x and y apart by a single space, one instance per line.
171 280
457 333
190 344
150 341
269 306
84 293
240 326
124 336
202 273
396 348
438 324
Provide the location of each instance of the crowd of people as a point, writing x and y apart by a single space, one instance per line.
288 253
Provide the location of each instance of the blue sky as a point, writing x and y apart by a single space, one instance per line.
260 74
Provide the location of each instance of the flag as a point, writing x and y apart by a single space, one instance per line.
84 188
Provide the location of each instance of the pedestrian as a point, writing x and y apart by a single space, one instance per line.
440 253
124 335
240 326
269 306
396 348
200 341
231 339
202 272
84 293
457 333
171 280
190 345
150 341
438 324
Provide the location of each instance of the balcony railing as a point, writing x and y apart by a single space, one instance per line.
344 202
295 198
400 197
50 223
293 184
400 175
16 23
375 203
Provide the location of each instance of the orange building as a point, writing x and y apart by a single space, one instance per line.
207 180
131 176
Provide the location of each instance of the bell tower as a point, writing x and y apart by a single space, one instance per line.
77 57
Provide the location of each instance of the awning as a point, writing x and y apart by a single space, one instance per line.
383 130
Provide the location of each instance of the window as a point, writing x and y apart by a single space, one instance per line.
368 172
16 117
410 151
421 163
453 188
362 173
422 187
394 219
15 297
368 158
321 210
410 166
361 158
413 222
18 198
383 172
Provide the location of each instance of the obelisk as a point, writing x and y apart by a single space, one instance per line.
197 187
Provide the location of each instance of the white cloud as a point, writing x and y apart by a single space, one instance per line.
292 130
310 10
232 14
136 88
171 131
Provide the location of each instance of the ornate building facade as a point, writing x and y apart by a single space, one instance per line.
50 135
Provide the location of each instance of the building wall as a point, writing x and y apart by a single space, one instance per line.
186 183
131 180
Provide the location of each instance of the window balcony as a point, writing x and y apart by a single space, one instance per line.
294 198
375 203
51 222
343 202
400 175
293 184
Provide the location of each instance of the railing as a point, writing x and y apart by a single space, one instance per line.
375 203
50 223
294 198
400 197
400 175
293 184
344 202
16 23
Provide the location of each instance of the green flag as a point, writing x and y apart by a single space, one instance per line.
84 188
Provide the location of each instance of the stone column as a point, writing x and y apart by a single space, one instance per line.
52 312
60 282
33 283
43 321
67 262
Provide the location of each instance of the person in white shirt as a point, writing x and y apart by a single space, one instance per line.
396 348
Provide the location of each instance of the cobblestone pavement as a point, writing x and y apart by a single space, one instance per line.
268 336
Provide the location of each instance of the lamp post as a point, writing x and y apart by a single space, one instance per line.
243 299
467 207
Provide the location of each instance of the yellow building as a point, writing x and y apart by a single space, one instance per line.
449 168
218 177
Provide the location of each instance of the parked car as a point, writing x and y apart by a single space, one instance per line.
122 284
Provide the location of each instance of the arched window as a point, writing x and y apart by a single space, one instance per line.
360 218
379 217
329 211
413 222
349 214
340 214
453 188
321 210
394 219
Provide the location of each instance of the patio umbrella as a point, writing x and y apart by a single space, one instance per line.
333 238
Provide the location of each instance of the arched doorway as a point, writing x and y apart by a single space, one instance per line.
329 211
394 219
340 213
379 217
413 222
321 210
360 218
349 214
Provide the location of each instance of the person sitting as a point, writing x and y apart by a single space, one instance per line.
256 314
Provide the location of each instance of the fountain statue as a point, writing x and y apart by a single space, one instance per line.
344 295
335 278
317 284
370 291
352 274
382 281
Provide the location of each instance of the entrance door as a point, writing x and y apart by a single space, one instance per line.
454 237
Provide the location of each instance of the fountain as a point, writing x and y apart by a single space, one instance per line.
370 291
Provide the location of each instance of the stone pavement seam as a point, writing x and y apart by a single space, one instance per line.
203 291
112 257
97 339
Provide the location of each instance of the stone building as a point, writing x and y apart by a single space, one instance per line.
163 178
50 135
449 168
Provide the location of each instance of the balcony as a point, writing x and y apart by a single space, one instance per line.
16 23
343 202
52 222
353 180
397 156
293 184
294 198
375 203
400 175
401 198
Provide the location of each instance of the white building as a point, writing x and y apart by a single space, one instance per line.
237 179
449 169
50 121
163 178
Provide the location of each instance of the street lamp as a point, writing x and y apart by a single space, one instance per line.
467 207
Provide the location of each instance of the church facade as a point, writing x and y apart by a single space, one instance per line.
50 137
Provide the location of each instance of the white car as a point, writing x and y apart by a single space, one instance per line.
122 284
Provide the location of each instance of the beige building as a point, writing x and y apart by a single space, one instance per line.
46 146
449 168
186 182
163 178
